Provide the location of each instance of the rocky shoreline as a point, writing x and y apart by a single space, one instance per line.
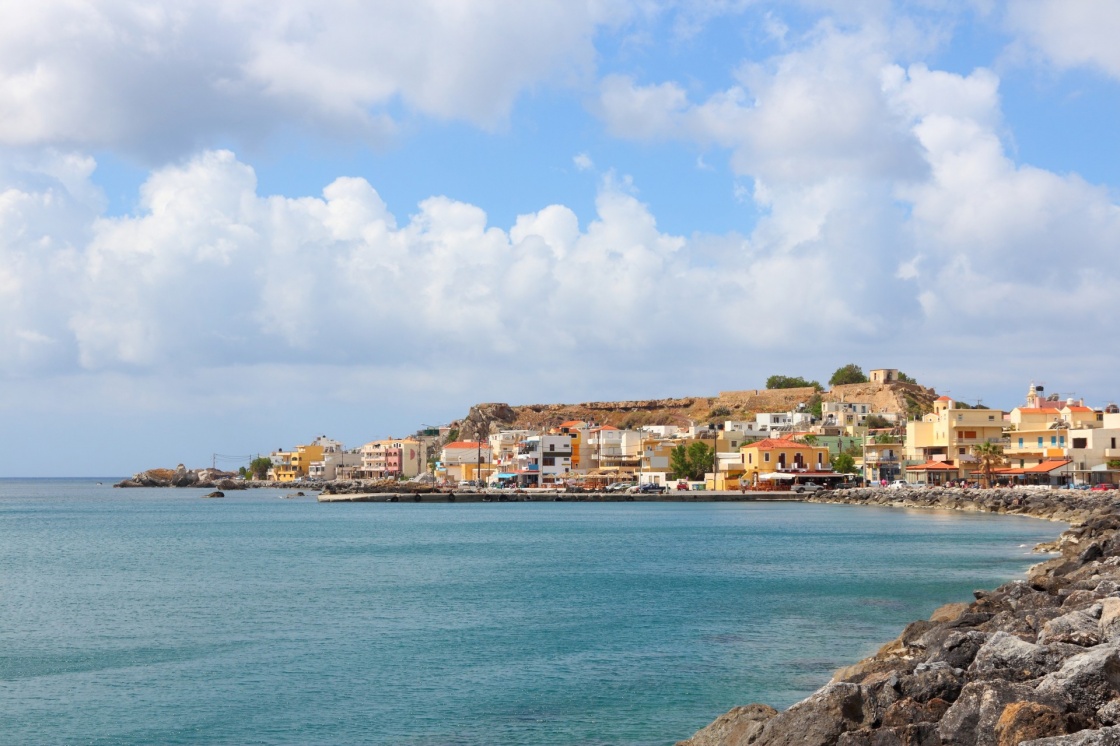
1035 661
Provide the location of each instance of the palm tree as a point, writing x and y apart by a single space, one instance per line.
990 456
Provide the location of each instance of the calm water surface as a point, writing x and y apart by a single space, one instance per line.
153 616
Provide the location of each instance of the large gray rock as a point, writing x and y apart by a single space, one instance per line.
818 720
1007 657
1088 680
1109 623
954 647
1075 628
735 728
972 719
1109 736
922 734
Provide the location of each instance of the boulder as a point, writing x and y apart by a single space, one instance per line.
956 649
1109 623
1076 628
922 734
1088 680
1109 736
948 612
737 727
1022 721
911 711
818 720
184 477
972 719
933 681
1007 657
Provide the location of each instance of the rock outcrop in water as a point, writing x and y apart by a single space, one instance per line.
1035 661
181 476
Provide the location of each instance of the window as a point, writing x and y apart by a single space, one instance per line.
960 451
1053 440
991 418
766 457
1062 441
549 461
1020 442
1080 442
1113 445
1040 441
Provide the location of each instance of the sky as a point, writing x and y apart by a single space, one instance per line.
231 226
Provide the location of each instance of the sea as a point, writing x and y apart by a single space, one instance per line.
147 616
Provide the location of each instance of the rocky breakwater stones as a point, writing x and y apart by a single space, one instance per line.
181 476
1034 661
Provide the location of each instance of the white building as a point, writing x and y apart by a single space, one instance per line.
1095 451
544 460
612 449
783 420
328 468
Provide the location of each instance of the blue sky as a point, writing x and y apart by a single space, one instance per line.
232 227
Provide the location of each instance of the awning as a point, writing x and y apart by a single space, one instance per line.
506 476
769 476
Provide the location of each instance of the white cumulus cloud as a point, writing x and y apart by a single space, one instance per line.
163 78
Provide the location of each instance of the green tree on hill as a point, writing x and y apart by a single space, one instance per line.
692 461
850 373
903 378
791 382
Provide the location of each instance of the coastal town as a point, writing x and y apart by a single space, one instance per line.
879 428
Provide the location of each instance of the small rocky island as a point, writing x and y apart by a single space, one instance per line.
1036 661
181 476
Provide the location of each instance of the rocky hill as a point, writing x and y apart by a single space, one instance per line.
483 419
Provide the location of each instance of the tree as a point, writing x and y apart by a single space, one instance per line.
843 463
692 461
259 467
815 406
990 456
850 373
790 382
876 422
903 378
809 440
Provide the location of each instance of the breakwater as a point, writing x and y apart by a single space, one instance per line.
1035 661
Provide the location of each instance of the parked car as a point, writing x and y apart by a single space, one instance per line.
645 489
682 486
1102 487
898 484
619 487
808 487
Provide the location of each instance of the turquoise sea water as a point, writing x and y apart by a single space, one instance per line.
154 616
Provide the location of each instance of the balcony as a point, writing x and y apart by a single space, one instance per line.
978 441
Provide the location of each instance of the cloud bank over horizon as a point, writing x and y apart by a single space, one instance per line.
887 216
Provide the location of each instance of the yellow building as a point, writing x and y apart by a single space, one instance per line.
946 436
784 457
1036 435
288 466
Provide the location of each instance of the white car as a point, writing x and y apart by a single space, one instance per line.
898 484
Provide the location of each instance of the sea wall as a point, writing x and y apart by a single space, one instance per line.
1035 661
